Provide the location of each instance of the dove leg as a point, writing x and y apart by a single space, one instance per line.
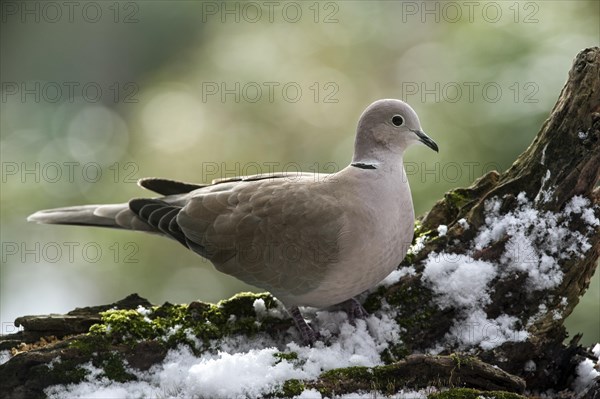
309 336
355 310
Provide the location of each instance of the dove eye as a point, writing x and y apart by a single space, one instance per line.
397 120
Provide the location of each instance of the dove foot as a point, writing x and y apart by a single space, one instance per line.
309 336
354 310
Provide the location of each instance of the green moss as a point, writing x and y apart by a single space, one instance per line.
462 360
386 379
343 380
415 313
291 388
419 230
129 325
173 324
352 379
61 372
458 198
289 356
468 393
90 343
352 373
245 322
409 258
389 380
114 368
394 353
98 329
96 347
373 301
242 304
413 304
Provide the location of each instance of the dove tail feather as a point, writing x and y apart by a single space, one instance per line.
117 216
160 215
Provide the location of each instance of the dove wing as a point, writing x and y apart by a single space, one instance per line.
263 232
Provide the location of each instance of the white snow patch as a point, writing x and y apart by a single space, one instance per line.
97 386
462 282
192 338
261 310
256 372
586 374
259 307
243 367
530 366
418 245
403 394
463 223
556 314
581 205
536 243
564 301
544 195
537 240
459 280
143 311
577 204
543 160
420 394
477 330
172 331
590 218
596 351
5 356
442 230
53 362
396 275
309 394
582 135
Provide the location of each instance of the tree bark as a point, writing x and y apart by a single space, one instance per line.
563 161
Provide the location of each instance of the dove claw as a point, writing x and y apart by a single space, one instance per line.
354 310
309 336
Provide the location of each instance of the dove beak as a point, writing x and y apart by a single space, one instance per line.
425 139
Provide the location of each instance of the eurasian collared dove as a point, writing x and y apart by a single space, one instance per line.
311 239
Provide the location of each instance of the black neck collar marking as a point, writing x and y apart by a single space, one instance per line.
363 165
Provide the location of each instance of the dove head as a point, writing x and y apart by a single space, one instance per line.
388 127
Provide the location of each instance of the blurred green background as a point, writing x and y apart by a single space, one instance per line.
98 94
